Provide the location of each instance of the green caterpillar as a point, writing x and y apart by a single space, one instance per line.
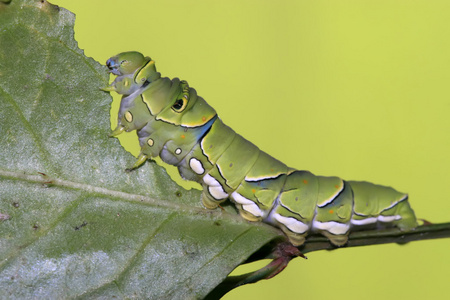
173 122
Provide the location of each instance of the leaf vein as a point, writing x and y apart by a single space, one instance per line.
131 261
44 153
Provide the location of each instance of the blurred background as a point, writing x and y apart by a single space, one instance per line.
358 89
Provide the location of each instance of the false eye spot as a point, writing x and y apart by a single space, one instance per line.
180 105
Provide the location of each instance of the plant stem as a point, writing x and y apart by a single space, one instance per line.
281 258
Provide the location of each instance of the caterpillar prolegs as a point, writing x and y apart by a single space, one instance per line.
173 122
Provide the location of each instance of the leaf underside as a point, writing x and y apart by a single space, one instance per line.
73 223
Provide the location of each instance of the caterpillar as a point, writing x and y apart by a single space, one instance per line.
173 122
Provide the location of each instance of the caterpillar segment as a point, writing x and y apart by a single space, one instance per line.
173 122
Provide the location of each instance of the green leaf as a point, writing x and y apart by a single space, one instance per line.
73 223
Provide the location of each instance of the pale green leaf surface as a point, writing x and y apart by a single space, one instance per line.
73 223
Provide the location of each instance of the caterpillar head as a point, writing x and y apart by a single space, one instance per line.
133 71
126 63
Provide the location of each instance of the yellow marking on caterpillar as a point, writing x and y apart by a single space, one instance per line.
128 117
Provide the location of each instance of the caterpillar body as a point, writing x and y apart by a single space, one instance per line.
173 122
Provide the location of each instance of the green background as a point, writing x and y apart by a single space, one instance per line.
358 89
